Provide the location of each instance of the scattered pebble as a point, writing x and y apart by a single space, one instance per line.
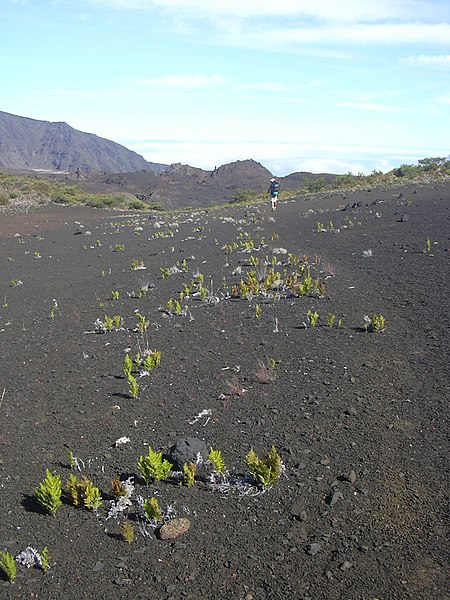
173 529
314 548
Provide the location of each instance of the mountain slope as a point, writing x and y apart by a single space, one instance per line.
32 144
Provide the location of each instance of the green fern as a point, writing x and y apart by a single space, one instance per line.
152 510
45 556
266 470
49 492
8 565
127 365
83 492
153 467
133 386
189 470
215 456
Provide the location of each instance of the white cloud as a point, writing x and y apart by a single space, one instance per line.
183 81
325 10
423 60
443 99
398 33
372 106
265 86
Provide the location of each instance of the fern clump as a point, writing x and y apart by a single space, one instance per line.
8 565
153 466
375 323
128 365
83 492
133 386
152 510
189 471
127 530
265 470
216 459
49 492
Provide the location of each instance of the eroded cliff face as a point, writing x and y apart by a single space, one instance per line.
32 144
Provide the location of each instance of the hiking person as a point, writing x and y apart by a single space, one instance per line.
273 192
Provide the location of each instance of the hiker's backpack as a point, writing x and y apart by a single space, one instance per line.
275 187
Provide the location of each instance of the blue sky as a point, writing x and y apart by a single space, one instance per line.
298 85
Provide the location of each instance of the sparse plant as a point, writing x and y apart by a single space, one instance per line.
152 360
375 323
265 470
235 387
53 309
115 295
313 317
142 323
258 311
119 247
153 466
8 565
189 471
49 492
45 557
30 557
127 531
137 264
133 386
83 492
216 458
428 245
118 488
331 319
152 510
127 365
70 458
16 282
265 371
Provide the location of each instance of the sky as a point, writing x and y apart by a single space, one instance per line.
297 85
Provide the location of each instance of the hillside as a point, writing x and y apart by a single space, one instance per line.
42 145
320 329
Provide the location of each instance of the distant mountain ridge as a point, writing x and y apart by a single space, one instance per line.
31 144
96 165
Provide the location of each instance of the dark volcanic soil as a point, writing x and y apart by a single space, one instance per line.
359 419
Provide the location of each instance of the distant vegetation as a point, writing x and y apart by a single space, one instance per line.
16 189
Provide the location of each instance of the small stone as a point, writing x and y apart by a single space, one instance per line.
314 548
179 546
346 565
174 528
350 477
335 497
351 411
186 450
99 566
325 461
